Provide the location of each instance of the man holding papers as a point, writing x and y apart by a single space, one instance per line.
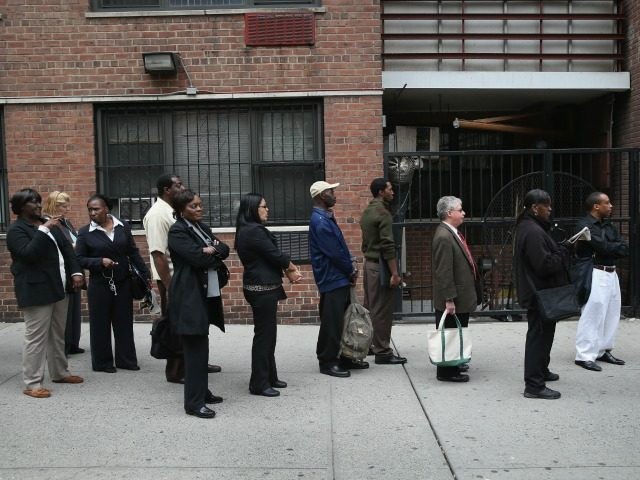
600 315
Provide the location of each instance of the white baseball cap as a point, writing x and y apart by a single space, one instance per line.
318 187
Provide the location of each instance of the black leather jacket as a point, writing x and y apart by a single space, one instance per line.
606 242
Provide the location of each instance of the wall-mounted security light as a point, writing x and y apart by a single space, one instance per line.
161 63
166 63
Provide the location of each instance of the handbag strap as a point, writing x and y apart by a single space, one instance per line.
444 316
442 335
353 296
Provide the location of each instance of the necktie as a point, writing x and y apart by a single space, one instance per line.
469 255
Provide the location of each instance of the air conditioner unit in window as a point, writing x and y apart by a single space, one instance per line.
134 209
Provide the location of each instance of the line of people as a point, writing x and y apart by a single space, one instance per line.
188 265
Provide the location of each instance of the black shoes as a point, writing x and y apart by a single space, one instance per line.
132 367
589 365
74 350
460 378
176 380
267 392
464 367
106 369
551 377
390 360
213 368
279 384
609 358
545 394
211 398
335 371
204 412
349 364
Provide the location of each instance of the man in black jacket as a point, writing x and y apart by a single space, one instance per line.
539 263
601 314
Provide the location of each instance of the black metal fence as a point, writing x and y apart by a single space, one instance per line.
491 185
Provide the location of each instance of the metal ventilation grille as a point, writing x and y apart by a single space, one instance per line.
275 29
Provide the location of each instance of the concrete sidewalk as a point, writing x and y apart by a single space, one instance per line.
387 422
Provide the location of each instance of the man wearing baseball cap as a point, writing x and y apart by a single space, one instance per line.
334 271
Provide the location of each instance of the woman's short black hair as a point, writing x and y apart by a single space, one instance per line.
248 211
22 197
102 198
536 196
181 200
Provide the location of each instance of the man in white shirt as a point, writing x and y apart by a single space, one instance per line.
157 223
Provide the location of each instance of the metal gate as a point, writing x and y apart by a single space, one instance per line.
491 184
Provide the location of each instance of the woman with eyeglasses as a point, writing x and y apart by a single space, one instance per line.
195 298
43 265
58 205
264 266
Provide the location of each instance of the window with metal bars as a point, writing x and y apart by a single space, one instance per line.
4 199
220 150
124 5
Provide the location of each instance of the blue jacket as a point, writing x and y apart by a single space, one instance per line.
330 257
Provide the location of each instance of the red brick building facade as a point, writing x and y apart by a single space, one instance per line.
79 113
62 62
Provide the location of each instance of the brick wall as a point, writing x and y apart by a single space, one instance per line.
51 49
626 122
54 50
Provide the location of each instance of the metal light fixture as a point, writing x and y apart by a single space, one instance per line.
161 63
167 63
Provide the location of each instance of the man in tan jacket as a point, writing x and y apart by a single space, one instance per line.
454 276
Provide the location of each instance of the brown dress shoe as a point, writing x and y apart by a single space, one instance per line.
69 379
37 392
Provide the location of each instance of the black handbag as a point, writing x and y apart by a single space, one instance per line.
581 274
139 284
164 344
223 274
558 303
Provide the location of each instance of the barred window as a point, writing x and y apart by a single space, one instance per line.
220 150
123 5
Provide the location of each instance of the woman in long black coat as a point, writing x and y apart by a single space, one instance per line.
540 262
264 265
106 247
194 296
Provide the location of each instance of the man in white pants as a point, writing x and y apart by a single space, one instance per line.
601 314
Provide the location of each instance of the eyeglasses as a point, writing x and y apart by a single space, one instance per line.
457 210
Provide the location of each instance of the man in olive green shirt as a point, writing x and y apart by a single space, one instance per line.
380 269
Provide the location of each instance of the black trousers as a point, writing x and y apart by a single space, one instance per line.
196 353
332 307
537 351
74 322
107 311
263 361
450 322
174 370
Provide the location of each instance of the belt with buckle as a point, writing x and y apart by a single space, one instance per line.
606 268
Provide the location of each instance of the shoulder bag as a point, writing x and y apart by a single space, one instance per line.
558 303
139 284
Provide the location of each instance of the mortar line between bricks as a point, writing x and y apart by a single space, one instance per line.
426 416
